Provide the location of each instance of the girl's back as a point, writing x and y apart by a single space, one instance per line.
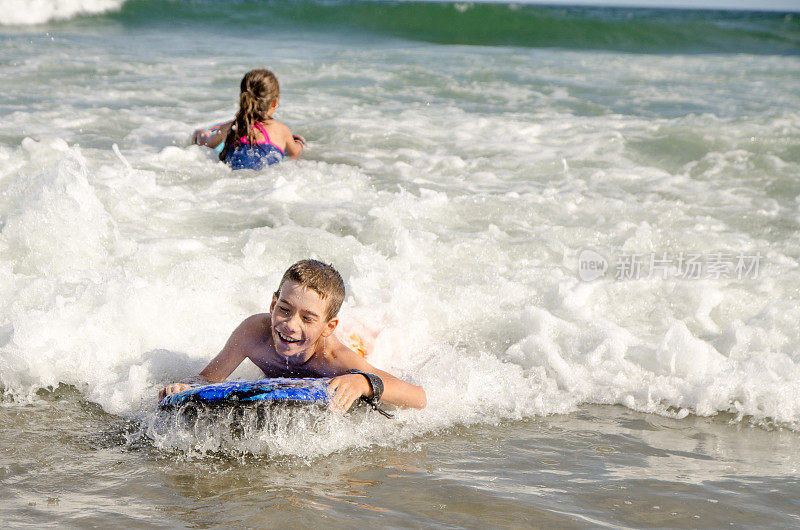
255 140
259 154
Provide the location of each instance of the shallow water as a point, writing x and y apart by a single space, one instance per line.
585 249
606 466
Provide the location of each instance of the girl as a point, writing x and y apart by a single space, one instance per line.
253 139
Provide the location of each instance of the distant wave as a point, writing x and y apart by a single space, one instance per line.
493 24
486 24
29 12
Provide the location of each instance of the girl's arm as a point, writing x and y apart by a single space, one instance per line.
293 143
295 146
212 136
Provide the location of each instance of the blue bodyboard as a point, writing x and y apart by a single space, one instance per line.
307 391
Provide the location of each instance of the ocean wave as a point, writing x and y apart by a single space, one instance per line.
454 191
634 30
30 12
89 306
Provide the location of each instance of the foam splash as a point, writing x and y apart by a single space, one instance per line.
95 299
30 12
124 268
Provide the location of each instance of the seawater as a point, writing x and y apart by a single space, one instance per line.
576 228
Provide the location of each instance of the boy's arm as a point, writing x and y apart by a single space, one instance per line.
226 361
349 387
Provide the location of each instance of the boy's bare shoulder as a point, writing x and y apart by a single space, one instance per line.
340 358
258 318
254 325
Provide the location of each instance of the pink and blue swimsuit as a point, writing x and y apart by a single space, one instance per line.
244 155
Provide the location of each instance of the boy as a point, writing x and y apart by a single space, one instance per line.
295 339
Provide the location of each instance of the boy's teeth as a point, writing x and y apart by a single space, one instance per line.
286 339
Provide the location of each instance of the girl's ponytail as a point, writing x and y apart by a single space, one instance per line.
259 89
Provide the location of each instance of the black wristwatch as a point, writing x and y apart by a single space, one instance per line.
376 384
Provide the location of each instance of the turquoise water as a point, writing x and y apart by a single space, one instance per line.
579 28
575 227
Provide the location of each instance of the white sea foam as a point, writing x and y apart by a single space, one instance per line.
29 12
456 224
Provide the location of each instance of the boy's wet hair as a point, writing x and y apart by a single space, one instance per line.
320 278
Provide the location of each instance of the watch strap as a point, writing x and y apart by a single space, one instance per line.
376 384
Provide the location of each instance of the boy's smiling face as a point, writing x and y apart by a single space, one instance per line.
299 319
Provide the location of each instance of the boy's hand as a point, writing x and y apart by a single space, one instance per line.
171 389
345 389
